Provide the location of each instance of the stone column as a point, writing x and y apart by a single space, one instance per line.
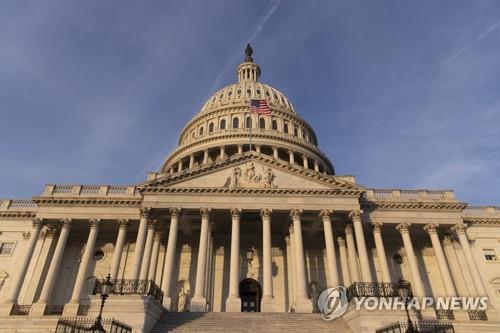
199 301
330 248
222 152
179 167
441 260
275 152
38 309
364 264
268 302
456 271
382 258
316 166
205 156
346 275
153 265
352 255
24 265
416 283
293 266
6 306
305 162
240 149
289 273
233 302
148 248
191 161
120 243
140 242
72 307
303 303
169 257
471 263
292 158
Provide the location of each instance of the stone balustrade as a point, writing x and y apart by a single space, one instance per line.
17 205
409 195
90 190
481 211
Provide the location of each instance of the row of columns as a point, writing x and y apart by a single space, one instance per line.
354 263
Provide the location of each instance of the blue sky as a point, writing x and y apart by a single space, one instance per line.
402 94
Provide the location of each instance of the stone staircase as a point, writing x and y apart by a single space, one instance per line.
185 322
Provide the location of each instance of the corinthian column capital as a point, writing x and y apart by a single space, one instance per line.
37 222
296 213
123 222
403 227
205 212
266 212
175 212
355 215
348 229
459 229
377 227
235 213
94 222
431 228
325 214
66 222
145 212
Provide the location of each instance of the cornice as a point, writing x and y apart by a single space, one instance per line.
411 205
17 214
246 191
86 201
482 221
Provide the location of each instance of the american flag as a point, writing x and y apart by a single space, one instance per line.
260 106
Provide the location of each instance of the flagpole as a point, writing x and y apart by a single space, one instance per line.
251 125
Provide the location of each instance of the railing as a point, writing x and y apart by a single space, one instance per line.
477 315
54 310
90 189
445 314
22 204
63 189
20 310
81 325
424 326
132 287
376 289
117 190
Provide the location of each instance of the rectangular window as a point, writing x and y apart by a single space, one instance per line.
6 248
489 254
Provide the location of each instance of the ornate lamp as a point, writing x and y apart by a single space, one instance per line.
404 292
106 288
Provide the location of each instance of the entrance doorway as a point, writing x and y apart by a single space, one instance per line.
251 295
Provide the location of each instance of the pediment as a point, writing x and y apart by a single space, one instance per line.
253 172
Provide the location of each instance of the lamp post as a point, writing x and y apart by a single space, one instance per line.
404 291
106 288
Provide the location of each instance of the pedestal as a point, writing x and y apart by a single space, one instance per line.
167 303
5 309
71 309
198 304
304 305
268 304
38 309
233 304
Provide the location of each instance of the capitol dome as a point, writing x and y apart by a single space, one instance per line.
225 127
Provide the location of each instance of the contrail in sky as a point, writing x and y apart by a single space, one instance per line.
470 45
257 28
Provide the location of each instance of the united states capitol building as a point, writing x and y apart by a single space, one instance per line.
237 231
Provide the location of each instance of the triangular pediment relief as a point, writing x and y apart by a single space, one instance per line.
250 171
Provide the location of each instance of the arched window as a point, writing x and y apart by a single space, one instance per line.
201 130
236 123
262 123
210 127
275 125
286 128
248 122
223 124
295 131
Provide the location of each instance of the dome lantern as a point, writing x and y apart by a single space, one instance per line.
248 70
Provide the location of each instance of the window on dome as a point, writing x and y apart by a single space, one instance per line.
249 92
221 95
275 125
275 96
262 123
238 92
223 124
210 127
258 91
286 128
295 131
229 93
201 131
267 94
248 122
236 123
